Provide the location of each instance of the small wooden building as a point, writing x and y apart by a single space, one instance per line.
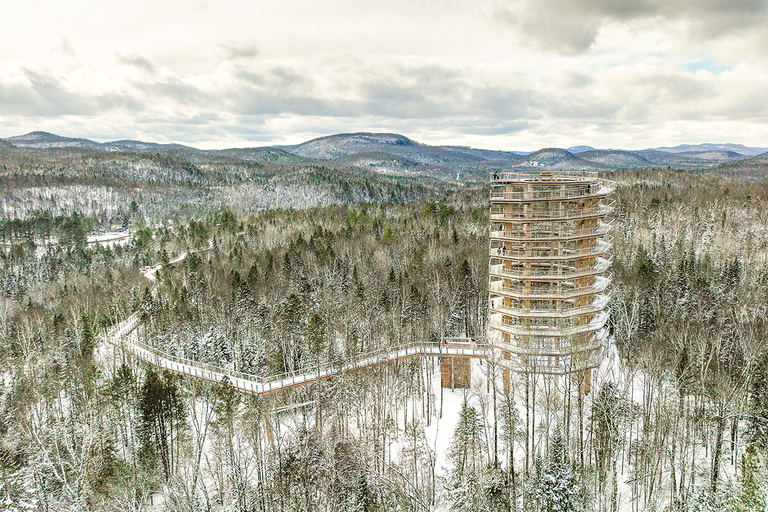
456 369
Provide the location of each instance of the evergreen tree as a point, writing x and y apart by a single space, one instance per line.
227 221
87 341
607 415
225 402
495 487
555 488
757 425
510 430
466 456
316 336
161 414
748 493
121 391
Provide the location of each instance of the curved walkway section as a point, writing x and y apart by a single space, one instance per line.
123 336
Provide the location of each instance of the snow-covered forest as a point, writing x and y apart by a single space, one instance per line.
677 420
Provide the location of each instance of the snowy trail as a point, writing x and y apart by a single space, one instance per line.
120 337
109 239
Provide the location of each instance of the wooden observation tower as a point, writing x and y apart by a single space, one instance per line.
548 281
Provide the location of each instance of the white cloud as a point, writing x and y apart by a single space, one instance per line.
520 74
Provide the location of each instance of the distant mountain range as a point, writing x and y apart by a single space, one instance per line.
735 148
45 140
393 154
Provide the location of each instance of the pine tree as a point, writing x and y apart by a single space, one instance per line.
757 425
556 489
496 491
225 402
122 395
87 341
748 495
161 413
465 454
510 425
316 336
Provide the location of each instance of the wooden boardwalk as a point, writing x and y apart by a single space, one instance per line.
123 336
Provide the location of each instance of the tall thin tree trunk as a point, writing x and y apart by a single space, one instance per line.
527 424
719 431
580 401
492 372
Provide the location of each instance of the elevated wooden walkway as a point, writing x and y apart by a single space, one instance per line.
123 336
120 337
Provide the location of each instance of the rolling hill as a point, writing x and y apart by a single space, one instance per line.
556 159
615 159
440 161
697 148
755 167
391 154
41 171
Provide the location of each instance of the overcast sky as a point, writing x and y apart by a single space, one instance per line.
513 75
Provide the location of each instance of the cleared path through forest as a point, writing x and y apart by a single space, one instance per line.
124 336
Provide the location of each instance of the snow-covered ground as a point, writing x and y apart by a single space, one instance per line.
110 239
446 404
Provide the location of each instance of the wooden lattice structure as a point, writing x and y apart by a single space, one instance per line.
548 264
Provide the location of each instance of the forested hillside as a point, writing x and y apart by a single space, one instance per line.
679 425
176 185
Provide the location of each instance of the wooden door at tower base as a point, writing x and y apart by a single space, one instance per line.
456 371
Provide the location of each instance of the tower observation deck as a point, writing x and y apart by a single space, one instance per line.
548 264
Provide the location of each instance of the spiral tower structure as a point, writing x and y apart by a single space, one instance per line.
548 270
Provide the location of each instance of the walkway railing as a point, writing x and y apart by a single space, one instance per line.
257 384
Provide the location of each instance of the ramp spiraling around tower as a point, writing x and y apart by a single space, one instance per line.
548 270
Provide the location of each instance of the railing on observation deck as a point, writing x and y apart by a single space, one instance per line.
541 253
566 364
550 349
544 193
558 309
496 321
564 272
552 291
565 234
569 213
545 176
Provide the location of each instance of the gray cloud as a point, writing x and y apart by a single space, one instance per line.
47 95
633 97
255 102
549 29
269 99
504 102
386 89
19 100
55 99
572 26
173 90
241 50
488 127
43 94
583 107
655 67
139 62
430 91
719 17
278 78
66 47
